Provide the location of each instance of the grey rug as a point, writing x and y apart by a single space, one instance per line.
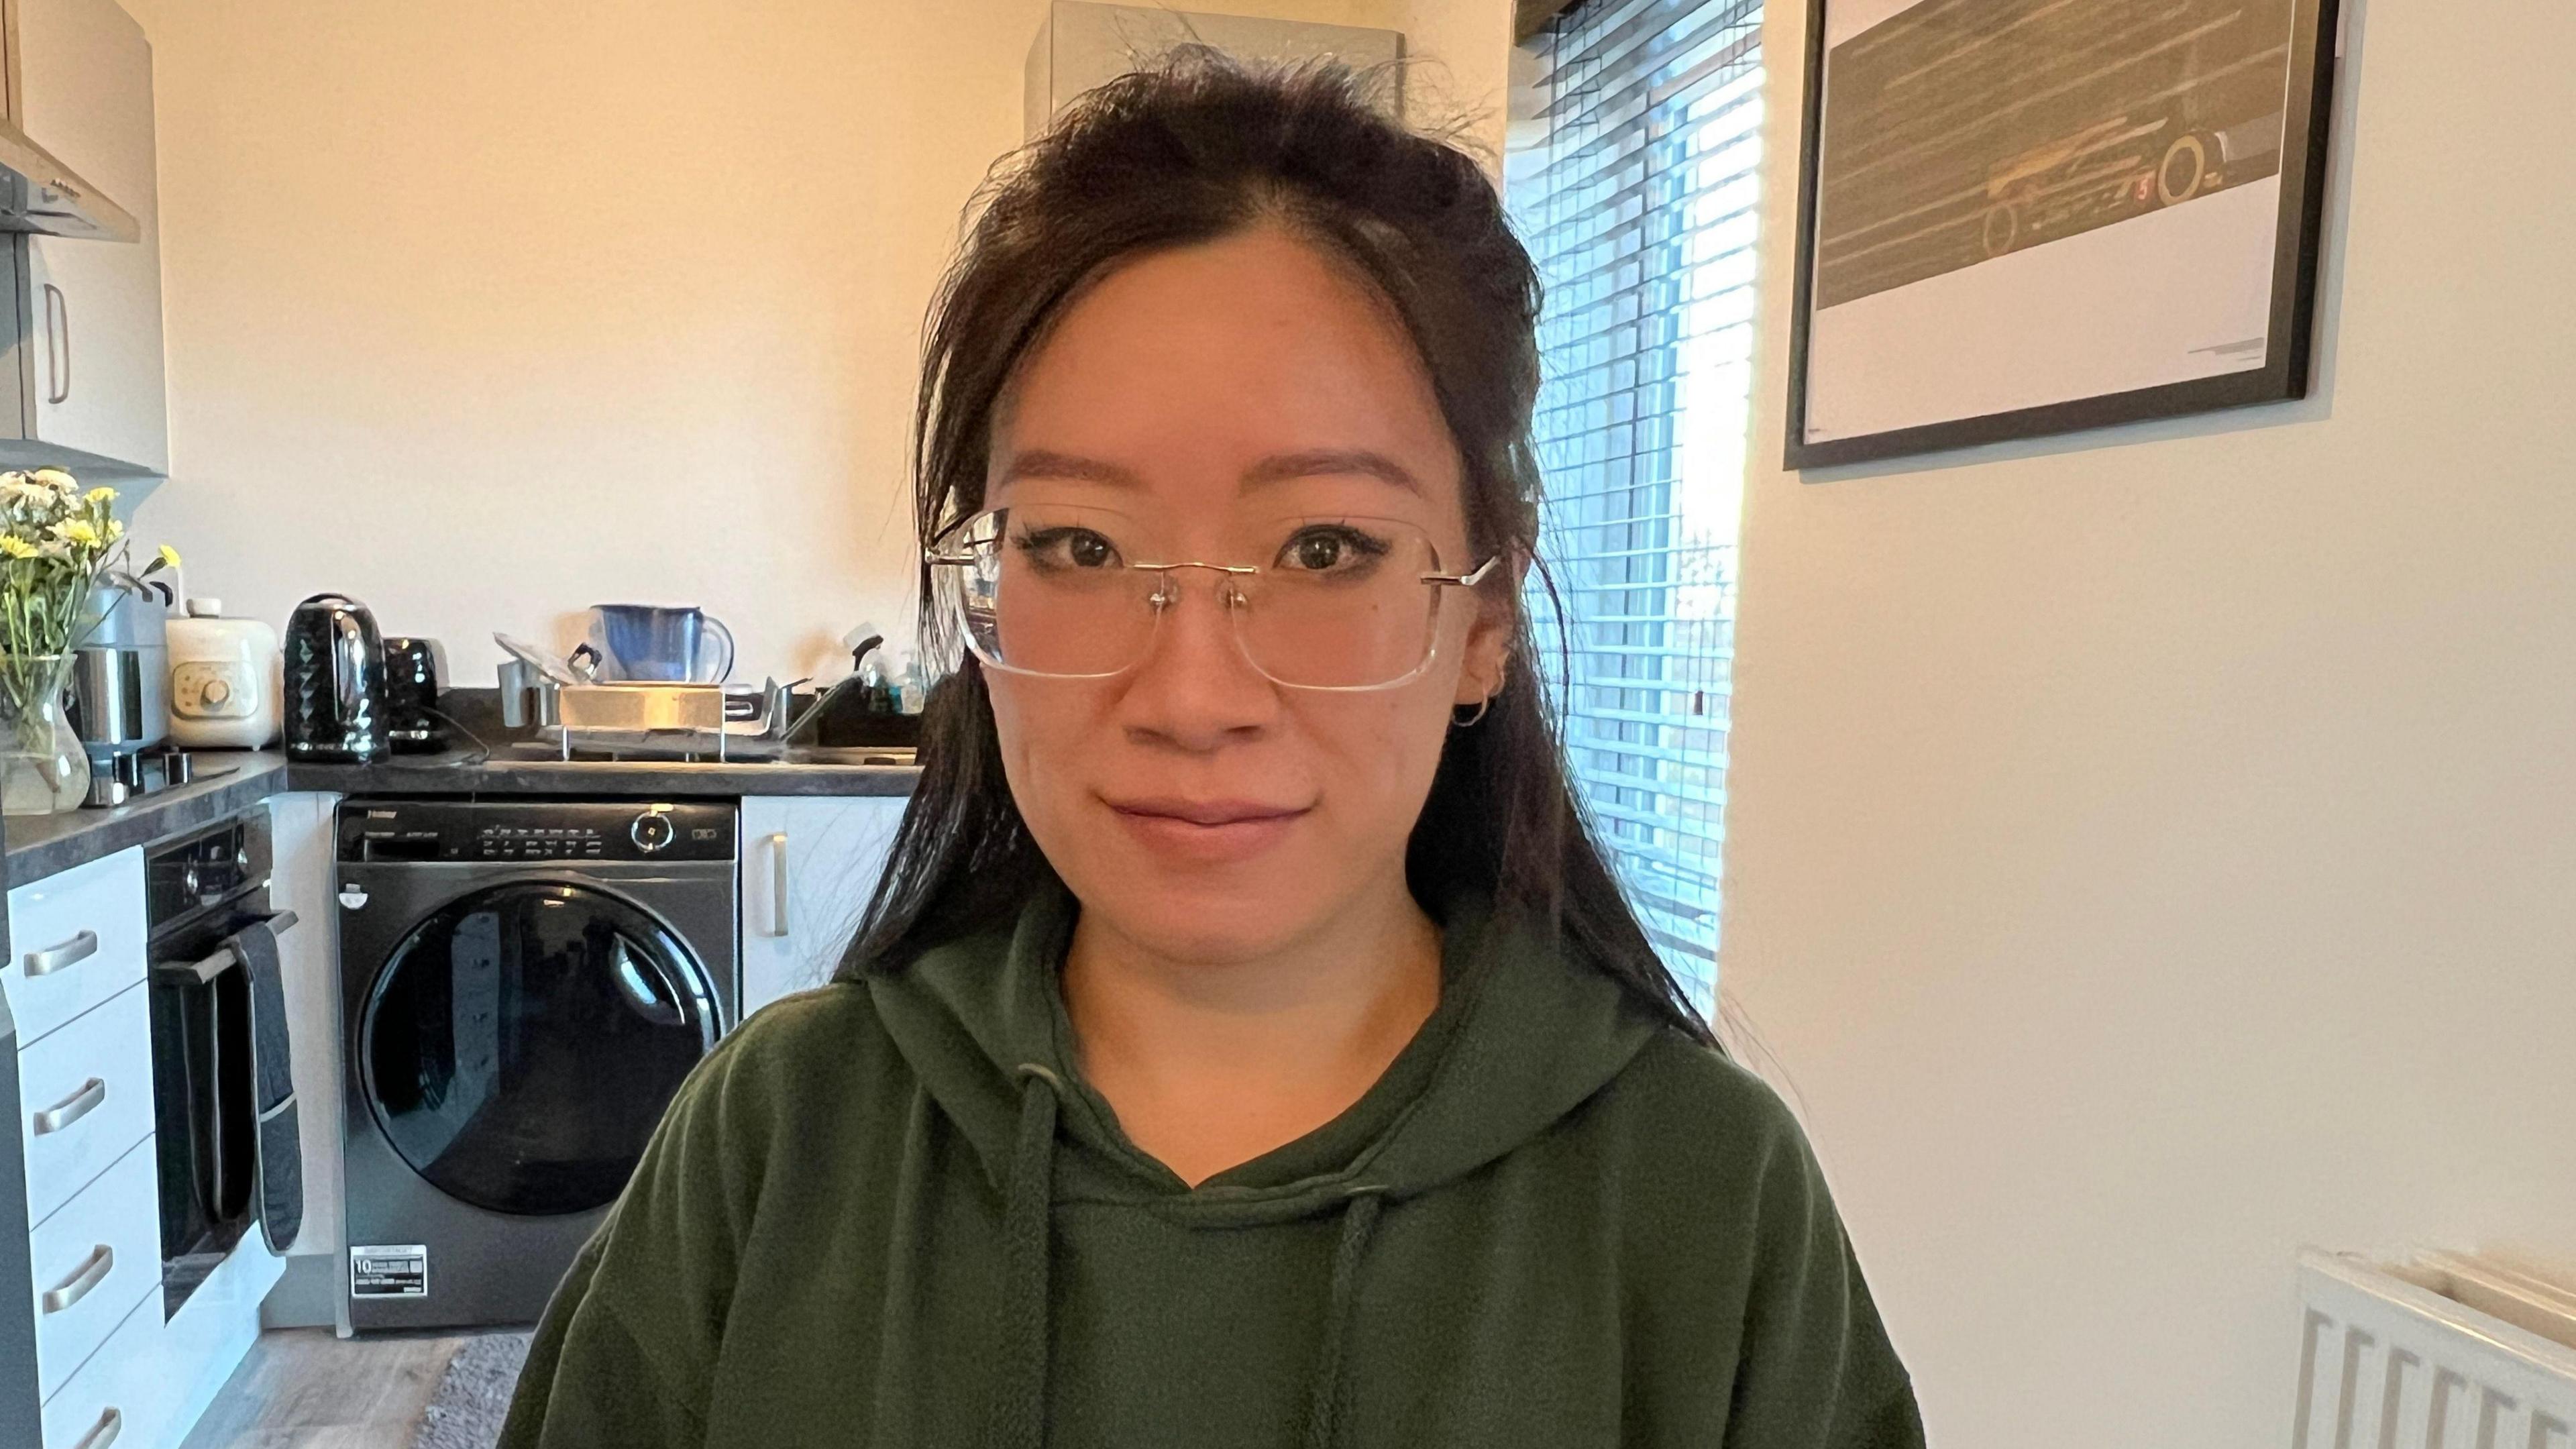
474 1395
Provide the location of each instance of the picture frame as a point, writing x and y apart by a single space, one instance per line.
2019 218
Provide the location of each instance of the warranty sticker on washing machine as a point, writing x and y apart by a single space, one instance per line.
389 1270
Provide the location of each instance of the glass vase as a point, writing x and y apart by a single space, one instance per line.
43 768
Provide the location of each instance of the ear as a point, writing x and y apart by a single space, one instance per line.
1488 647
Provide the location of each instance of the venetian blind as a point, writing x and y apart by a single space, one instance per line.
1635 187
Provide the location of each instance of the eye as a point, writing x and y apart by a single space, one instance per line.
1335 548
1068 547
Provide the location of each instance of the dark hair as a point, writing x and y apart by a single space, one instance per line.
1194 149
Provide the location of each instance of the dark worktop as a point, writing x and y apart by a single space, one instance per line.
42 845
467 772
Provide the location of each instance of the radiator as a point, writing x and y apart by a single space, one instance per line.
2441 1352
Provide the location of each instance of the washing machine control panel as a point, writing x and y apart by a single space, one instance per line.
536 830
539 842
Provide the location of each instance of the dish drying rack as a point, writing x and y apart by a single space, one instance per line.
670 721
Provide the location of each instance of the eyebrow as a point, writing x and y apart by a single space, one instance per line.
1320 462
1279 467
1039 463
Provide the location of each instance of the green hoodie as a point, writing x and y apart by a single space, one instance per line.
893 1214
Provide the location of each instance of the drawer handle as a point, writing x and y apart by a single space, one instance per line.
77 1286
104 1432
72 1108
70 953
778 884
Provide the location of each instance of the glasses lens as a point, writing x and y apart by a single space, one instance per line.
1340 603
1047 590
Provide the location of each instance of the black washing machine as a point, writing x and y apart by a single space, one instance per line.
524 984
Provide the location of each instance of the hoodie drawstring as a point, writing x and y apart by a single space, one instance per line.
1019 1404
1324 1408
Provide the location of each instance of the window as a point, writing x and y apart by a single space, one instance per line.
1635 185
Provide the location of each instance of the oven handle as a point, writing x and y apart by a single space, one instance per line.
220 962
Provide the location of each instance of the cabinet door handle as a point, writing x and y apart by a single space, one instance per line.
73 1289
70 953
58 335
778 884
104 1432
71 1109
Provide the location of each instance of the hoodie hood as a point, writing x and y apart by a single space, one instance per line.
1521 1037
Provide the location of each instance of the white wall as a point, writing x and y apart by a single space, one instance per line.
486 311
2151 851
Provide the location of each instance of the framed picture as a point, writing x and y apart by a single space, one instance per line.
2021 217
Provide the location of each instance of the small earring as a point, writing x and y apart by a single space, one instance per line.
1481 706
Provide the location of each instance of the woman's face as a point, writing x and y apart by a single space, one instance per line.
1200 396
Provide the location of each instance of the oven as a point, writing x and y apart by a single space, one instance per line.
201 889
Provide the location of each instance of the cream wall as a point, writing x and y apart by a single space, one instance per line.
487 311
1457 79
2148 852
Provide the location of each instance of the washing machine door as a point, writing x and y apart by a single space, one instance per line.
521 1042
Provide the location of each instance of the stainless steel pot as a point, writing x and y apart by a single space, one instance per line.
120 676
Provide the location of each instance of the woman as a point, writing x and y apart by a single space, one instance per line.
1247 1045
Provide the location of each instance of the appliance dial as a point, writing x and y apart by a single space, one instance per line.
652 831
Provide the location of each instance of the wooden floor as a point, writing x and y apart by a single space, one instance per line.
306 1388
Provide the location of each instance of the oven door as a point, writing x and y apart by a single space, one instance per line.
519 1044
206 1123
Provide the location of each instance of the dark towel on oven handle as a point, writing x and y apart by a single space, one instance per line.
281 1148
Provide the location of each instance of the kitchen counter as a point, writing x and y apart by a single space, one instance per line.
505 772
41 845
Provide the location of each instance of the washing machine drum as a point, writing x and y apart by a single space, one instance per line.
521 1043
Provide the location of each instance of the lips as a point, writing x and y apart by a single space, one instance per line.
1205 831
1206 812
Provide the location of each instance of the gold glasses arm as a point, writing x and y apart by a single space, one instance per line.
1467 580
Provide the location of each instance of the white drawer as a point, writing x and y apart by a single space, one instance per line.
115 1221
87 1091
122 1396
75 939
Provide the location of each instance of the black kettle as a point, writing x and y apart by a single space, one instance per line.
335 682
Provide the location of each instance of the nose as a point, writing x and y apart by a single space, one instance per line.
1194 689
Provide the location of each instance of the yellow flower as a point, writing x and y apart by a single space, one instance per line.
76 530
169 556
115 530
100 494
16 547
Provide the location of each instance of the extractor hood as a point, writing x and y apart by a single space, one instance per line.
41 194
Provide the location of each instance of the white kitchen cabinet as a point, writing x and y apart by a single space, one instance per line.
79 940
120 1397
93 1261
89 1095
809 864
1081 44
107 1360
88 366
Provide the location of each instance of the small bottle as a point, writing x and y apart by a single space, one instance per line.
911 683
